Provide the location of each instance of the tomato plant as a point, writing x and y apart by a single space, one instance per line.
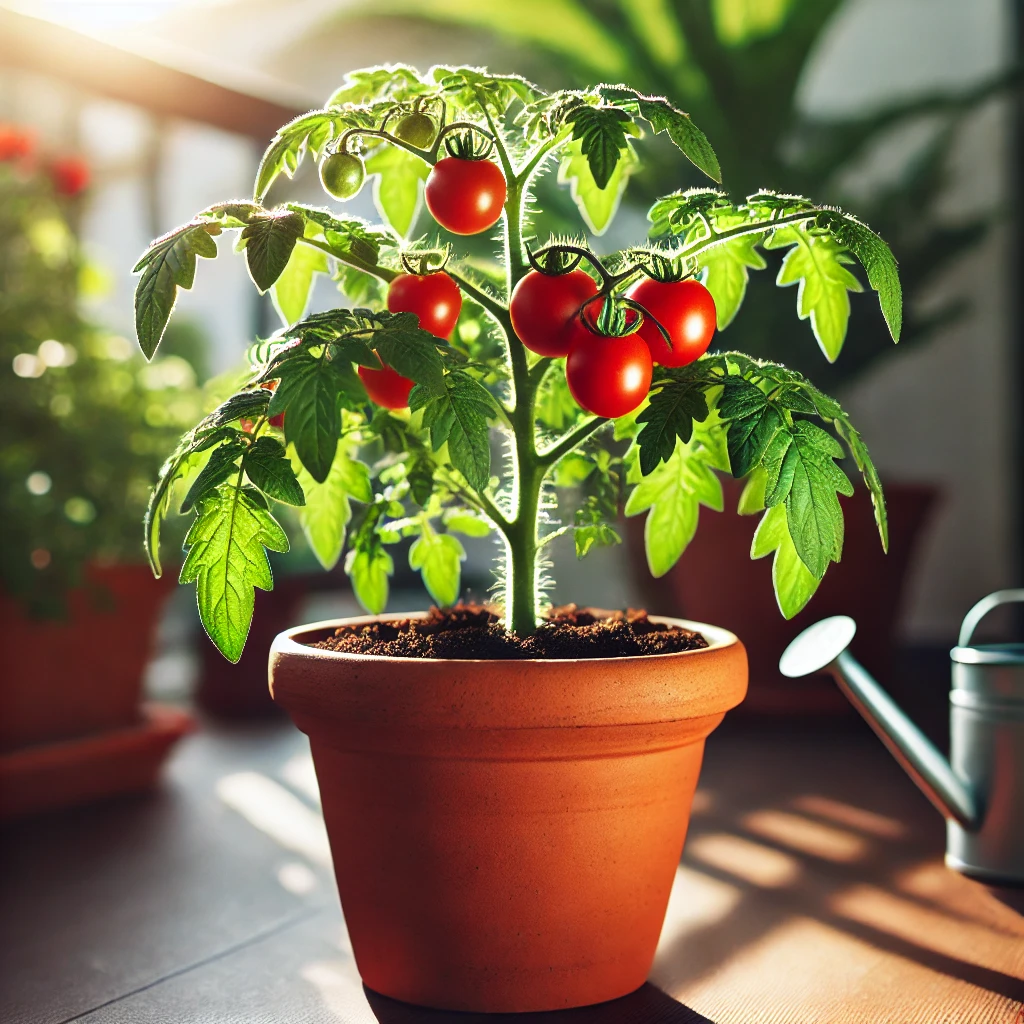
393 401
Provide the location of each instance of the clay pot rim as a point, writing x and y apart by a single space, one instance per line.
288 643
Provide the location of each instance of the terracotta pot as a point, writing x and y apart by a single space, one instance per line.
81 675
505 833
717 580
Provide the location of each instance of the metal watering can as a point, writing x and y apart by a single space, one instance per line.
980 789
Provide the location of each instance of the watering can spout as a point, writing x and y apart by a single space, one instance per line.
823 648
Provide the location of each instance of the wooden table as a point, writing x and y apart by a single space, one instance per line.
812 890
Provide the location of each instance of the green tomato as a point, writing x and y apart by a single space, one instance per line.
417 130
342 175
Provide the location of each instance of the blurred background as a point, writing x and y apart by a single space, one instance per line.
118 120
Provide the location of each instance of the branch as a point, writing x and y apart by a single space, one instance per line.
569 441
384 273
477 294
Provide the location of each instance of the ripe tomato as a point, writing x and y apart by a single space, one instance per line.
544 310
608 376
385 386
465 196
685 309
70 175
434 298
15 143
278 420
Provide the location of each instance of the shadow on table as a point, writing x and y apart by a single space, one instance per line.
647 1005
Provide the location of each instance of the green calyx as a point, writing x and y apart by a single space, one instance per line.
617 318
342 175
469 145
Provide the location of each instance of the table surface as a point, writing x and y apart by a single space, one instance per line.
812 889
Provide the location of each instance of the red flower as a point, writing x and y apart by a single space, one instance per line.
70 175
15 143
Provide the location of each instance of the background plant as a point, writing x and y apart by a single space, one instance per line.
87 420
303 432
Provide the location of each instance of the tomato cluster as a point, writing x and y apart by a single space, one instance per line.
553 316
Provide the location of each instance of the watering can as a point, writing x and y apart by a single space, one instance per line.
980 789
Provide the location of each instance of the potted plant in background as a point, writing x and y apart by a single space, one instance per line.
506 788
738 69
87 424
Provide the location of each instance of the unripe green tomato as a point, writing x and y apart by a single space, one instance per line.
342 175
417 130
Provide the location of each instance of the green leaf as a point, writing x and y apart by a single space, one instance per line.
309 393
267 467
752 497
808 484
398 185
327 511
404 346
603 134
676 213
367 85
877 260
674 492
471 88
313 131
467 523
227 560
248 404
597 205
591 528
793 582
438 558
458 415
725 271
817 264
663 117
753 423
222 464
269 239
861 456
292 289
369 569
167 265
670 415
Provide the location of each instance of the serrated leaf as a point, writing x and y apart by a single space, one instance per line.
591 528
290 143
167 265
222 464
267 467
663 117
674 492
817 265
309 392
227 558
248 404
753 422
458 415
398 185
725 272
597 205
793 582
861 456
404 346
603 134
292 289
369 569
327 511
367 85
811 480
438 558
269 239
669 416
877 260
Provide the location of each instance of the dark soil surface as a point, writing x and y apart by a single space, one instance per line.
475 631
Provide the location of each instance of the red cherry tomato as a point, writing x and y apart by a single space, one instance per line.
685 309
608 376
544 310
15 143
278 420
385 386
70 175
434 298
465 196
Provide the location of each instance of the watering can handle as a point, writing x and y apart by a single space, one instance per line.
982 608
